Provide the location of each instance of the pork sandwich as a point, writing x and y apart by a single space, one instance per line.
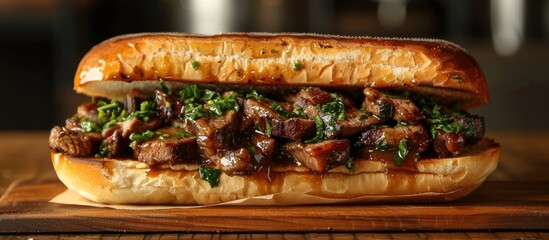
193 119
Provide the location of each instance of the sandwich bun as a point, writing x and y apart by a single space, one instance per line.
269 62
433 67
115 181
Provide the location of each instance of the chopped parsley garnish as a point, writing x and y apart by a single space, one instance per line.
397 95
441 121
335 107
110 114
330 113
255 96
144 136
195 111
148 135
459 79
267 128
320 127
190 93
330 124
350 165
164 87
146 110
402 151
209 95
89 126
297 65
141 137
195 64
108 109
110 123
103 150
182 133
219 105
162 135
280 110
382 144
210 175
298 111
251 148
400 124
205 103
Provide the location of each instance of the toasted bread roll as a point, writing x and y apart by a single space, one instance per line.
431 82
434 67
131 182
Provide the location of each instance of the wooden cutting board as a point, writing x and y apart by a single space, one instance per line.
494 206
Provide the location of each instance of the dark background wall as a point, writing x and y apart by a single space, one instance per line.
41 42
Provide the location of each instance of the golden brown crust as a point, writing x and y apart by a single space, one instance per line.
132 182
432 66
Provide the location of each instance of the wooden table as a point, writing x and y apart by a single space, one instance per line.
525 157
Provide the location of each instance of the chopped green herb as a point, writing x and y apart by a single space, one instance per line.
400 124
320 127
144 136
195 98
331 126
195 111
105 109
146 106
280 110
103 150
251 148
209 95
459 79
298 111
350 165
219 105
258 128
255 96
335 107
331 112
267 128
365 114
110 123
402 151
210 175
190 93
164 87
195 64
141 137
162 135
397 95
146 110
215 108
89 126
382 144
363 117
297 65
182 133
441 121
357 144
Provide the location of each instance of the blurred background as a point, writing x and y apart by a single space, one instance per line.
41 42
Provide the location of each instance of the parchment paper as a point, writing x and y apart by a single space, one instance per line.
72 197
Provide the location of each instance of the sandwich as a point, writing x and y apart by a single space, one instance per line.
192 119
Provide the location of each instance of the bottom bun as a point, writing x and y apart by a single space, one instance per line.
132 182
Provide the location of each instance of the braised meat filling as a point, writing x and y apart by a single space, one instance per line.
243 132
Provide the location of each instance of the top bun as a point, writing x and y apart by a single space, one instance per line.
439 68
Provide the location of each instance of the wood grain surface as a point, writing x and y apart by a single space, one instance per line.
524 161
495 206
